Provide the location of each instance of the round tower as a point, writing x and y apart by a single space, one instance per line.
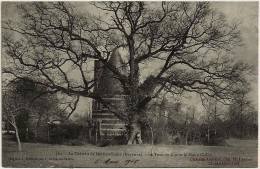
107 124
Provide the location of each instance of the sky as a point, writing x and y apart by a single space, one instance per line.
245 12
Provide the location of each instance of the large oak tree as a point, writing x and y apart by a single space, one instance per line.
190 41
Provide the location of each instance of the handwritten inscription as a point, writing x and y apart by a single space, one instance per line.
111 161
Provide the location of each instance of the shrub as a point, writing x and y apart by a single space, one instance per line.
65 134
116 140
119 140
103 143
217 140
75 142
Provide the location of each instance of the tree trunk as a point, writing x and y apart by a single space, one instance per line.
49 133
208 133
89 134
152 135
186 133
18 139
186 138
163 130
134 130
248 132
7 128
151 128
38 126
96 136
27 134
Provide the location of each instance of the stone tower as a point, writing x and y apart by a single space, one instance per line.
106 123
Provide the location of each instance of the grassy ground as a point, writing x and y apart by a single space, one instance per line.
239 153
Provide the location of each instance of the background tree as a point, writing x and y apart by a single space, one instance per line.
23 100
156 117
190 124
242 113
11 108
212 118
191 42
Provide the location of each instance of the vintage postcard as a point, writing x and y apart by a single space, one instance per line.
129 84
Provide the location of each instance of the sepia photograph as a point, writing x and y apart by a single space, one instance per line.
129 84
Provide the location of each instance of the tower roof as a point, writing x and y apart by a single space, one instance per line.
116 59
108 83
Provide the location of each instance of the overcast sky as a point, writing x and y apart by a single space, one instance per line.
246 12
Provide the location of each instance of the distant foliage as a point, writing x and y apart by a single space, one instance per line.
76 142
117 140
68 134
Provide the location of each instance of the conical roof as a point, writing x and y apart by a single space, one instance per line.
108 83
116 59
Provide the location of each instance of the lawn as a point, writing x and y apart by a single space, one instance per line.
238 153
